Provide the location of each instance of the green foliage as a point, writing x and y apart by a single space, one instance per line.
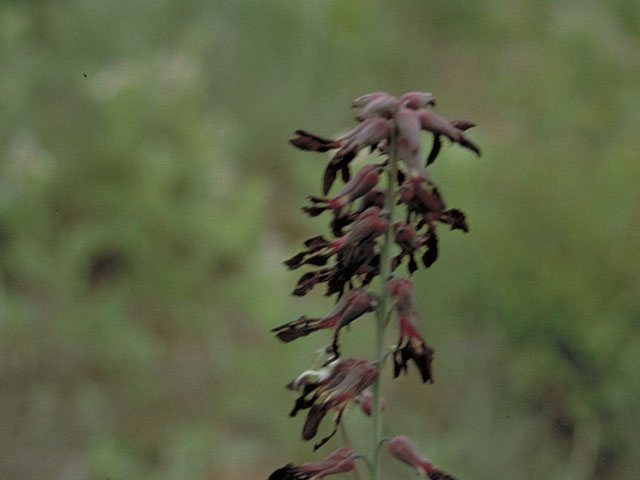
145 209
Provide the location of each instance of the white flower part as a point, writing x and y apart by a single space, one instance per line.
363 100
315 376
415 100
380 105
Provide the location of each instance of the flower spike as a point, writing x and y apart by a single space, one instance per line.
352 253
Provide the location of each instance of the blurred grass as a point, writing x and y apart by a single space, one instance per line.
145 209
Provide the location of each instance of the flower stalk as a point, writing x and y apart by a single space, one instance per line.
364 231
381 312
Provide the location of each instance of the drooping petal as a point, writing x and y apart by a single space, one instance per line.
435 150
288 472
413 348
314 417
435 123
338 163
314 245
336 424
307 281
310 142
431 254
466 143
457 219
301 327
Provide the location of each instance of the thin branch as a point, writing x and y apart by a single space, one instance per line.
381 313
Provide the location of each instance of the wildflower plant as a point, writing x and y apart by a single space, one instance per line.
368 242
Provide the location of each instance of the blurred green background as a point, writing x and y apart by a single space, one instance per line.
148 197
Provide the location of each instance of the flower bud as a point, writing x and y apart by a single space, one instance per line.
365 400
405 450
340 461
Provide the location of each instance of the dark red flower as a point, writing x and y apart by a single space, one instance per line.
410 346
313 143
370 224
420 200
351 258
437 142
373 198
405 450
342 381
430 240
354 304
360 263
365 180
423 198
439 126
340 461
407 239
368 133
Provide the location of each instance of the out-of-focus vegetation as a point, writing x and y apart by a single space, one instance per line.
148 197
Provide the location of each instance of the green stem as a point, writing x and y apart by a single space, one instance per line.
381 317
